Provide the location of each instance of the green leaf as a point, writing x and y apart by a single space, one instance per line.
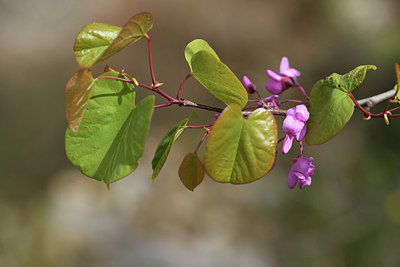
111 137
164 147
241 150
349 81
195 46
330 109
191 171
218 79
330 106
97 41
77 94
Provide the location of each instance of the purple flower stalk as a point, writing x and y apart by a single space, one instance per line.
301 172
295 126
283 80
250 87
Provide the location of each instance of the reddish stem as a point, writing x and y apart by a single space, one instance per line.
153 79
164 105
178 96
301 148
199 126
378 115
201 141
394 109
366 113
303 92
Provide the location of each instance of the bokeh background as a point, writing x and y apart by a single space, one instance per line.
51 215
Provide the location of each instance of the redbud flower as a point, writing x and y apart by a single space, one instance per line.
250 87
283 80
301 172
295 126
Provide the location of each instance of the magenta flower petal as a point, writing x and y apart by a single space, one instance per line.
273 75
304 182
300 136
302 109
287 143
246 81
284 65
301 172
286 70
291 180
250 87
292 126
274 87
287 123
299 175
295 122
292 73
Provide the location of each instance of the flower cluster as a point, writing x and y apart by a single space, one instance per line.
294 124
301 172
286 78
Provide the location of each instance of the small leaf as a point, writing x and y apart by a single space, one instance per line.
164 147
191 171
349 81
98 41
111 137
218 79
241 151
195 46
77 94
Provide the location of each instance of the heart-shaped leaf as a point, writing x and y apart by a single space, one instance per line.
77 94
330 109
330 106
195 46
164 147
241 150
191 171
111 137
218 79
98 41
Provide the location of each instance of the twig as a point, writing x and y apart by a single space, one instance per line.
369 102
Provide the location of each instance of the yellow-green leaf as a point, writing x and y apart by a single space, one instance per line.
98 41
77 94
241 150
218 78
191 171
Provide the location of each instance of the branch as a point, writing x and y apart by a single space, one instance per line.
369 102
188 103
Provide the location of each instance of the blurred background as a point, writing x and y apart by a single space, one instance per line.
51 215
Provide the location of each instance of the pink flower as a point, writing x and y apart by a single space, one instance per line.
250 87
295 126
283 80
301 172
